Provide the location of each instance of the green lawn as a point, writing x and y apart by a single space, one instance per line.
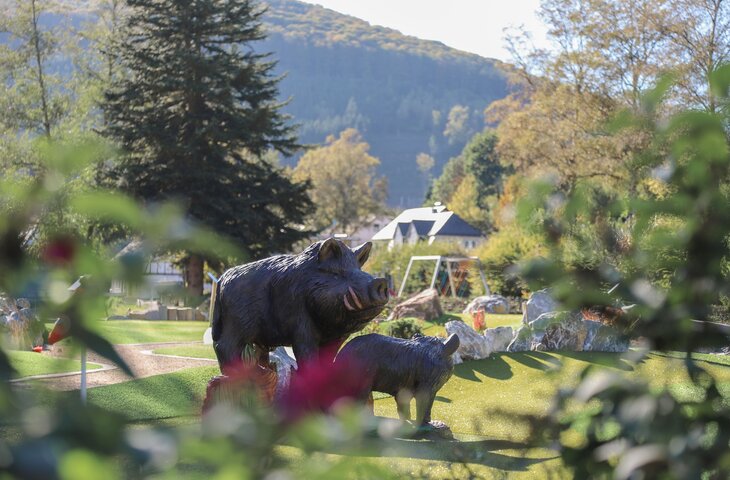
32 363
156 398
479 403
196 351
147 331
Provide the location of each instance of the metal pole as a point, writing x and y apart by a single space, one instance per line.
435 272
405 277
83 375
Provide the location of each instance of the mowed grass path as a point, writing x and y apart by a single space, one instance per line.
479 403
27 364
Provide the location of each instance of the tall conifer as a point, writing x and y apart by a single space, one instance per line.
194 112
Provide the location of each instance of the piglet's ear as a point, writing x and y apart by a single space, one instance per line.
330 248
363 252
451 344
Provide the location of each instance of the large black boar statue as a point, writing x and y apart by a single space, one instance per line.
418 368
306 301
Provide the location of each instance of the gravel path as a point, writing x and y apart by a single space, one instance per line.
140 359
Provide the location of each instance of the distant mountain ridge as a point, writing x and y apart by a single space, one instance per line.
286 17
398 90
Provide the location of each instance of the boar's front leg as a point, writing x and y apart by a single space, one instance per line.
304 344
424 403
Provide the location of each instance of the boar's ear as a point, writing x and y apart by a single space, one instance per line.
330 248
451 344
363 252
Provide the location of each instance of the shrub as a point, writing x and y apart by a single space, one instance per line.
453 304
501 253
404 328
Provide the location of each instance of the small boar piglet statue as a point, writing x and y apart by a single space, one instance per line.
307 301
418 368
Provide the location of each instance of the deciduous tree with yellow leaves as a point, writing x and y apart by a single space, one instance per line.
344 187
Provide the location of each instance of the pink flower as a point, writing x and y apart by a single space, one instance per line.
319 384
60 251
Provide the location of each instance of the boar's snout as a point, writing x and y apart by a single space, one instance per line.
375 296
379 291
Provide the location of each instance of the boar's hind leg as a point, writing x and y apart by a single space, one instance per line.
228 354
403 401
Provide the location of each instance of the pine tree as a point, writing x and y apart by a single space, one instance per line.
194 113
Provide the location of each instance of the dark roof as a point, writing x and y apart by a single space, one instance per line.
422 227
457 226
403 227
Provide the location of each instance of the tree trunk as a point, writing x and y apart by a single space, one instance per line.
39 70
194 275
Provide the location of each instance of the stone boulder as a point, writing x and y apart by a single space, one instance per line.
475 346
498 339
285 366
424 305
488 304
472 345
567 331
540 302
604 338
149 311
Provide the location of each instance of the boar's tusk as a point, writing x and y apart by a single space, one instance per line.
354 298
347 304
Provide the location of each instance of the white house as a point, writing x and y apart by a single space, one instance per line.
363 234
431 224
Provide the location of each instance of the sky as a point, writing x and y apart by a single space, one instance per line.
471 25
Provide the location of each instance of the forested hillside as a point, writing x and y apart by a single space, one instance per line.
342 72
397 90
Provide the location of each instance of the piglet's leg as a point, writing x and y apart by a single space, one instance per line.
403 401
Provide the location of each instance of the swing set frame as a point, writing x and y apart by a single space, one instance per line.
448 261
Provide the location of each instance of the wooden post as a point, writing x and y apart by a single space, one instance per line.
213 293
484 279
451 278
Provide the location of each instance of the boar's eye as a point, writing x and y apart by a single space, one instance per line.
330 271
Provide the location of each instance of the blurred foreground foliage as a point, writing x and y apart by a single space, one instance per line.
50 221
667 254
44 219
